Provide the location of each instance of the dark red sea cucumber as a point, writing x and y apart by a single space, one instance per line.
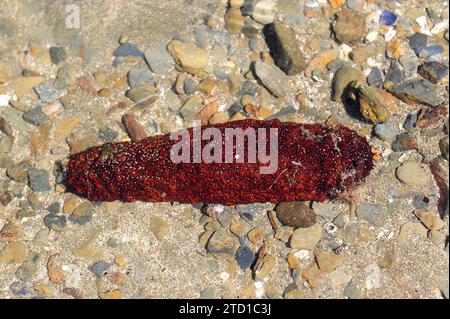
315 163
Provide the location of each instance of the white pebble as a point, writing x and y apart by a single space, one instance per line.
4 99
371 36
373 276
440 27
390 34
422 22
303 254
264 11
259 289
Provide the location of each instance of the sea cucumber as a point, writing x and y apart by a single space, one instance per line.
315 163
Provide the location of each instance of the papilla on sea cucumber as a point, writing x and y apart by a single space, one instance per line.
314 163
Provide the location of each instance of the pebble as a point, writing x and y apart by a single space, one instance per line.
374 214
351 291
339 278
292 291
327 58
234 21
418 41
188 57
342 80
249 88
100 268
409 63
328 261
341 220
57 55
20 289
306 238
26 271
158 58
222 243
375 77
420 201
437 238
191 108
373 105
245 257
283 48
404 142
264 267
207 293
140 76
35 116
14 252
443 286
415 92
141 93
433 71
272 78
412 173
128 49
295 214
430 220
19 171
430 50
190 85
387 131
264 11
55 222
64 77
159 227
23 85
409 229
47 92
350 26
388 18
38 180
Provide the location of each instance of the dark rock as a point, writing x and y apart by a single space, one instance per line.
418 41
38 180
394 76
57 54
283 47
375 77
54 208
295 214
249 88
244 257
55 222
128 49
433 71
404 142
416 92
35 116
100 268
410 121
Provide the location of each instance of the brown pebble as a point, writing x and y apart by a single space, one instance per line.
134 129
295 214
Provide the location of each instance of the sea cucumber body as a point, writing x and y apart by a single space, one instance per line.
315 163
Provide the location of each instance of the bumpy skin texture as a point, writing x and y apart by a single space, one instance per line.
315 163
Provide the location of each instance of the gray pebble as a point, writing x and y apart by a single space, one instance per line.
375 77
35 116
81 220
57 54
420 202
374 214
107 134
54 208
208 293
158 58
244 257
38 180
100 268
140 76
351 291
47 92
387 131
190 85
55 222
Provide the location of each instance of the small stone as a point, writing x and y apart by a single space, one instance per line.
404 142
375 77
191 108
389 259
437 238
57 54
159 227
412 173
234 21
26 271
418 41
443 286
6 198
374 214
140 76
295 214
365 234
190 86
292 292
38 180
222 243
128 49
141 93
264 267
55 222
394 49
339 278
351 291
283 233
387 131
416 92
244 257
64 77
272 78
433 71
306 238
430 50
388 18
326 209
282 45
372 104
264 11
341 220
255 235
343 78
430 220
23 85
158 58
350 26
100 268
113 294
314 276
54 270
133 127
14 252
35 116
47 92
239 228
409 63
409 229
328 261
190 58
